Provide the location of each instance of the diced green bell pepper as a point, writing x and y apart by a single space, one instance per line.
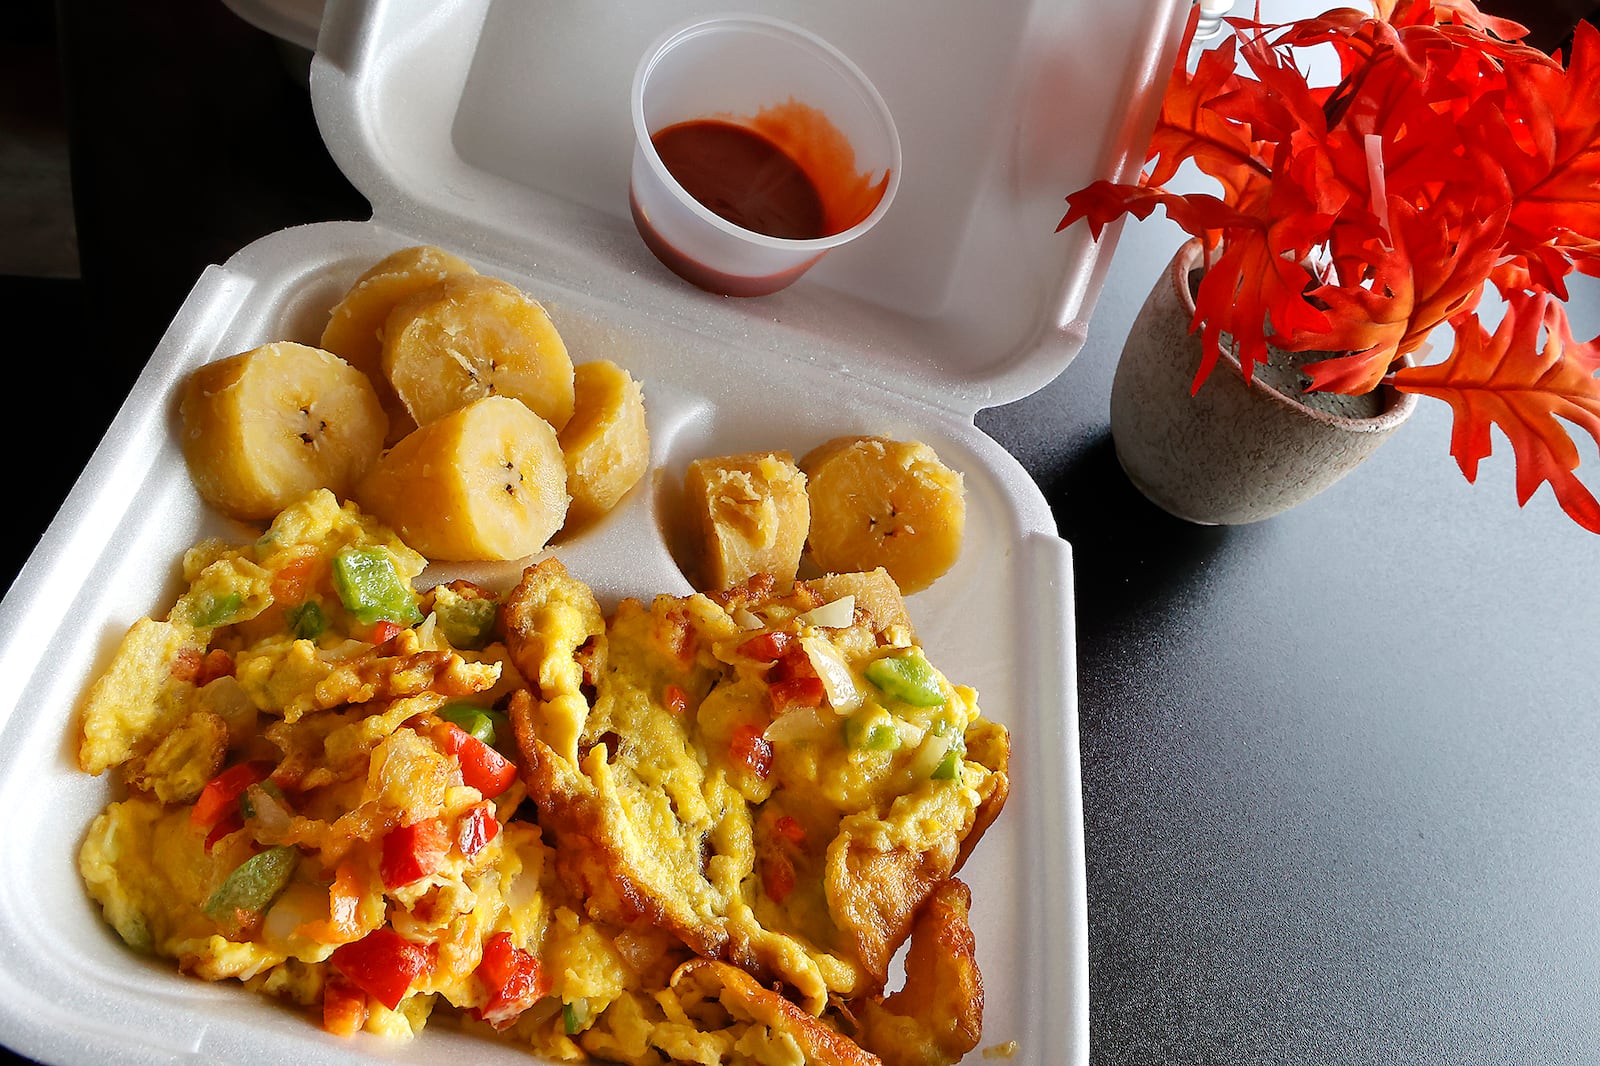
306 620
869 731
907 676
466 622
212 610
252 886
372 589
481 722
949 767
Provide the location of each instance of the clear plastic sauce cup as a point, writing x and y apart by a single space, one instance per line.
759 147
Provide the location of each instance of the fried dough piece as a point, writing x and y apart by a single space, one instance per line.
937 1016
748 1001
878 600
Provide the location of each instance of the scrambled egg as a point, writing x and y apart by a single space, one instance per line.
697 829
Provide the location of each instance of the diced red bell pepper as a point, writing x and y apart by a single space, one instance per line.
478 826
220 798
217 663
750 748
676 699
229 825
186 663
384 631
343 923
777 877
795 693
297 579
344 1007
512 978
794 663
383 964
482 767
767 647
412 852
787 828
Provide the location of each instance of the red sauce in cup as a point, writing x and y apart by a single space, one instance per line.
785 172
743 176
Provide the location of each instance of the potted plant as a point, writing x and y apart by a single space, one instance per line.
1353 219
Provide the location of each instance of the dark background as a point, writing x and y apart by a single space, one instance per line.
1341 802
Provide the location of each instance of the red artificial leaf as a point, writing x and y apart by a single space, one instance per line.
1245 288
1432 274
1557 184
1462 12
1104 202
1509 381
1190 129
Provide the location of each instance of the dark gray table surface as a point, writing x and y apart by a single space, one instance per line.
1340 786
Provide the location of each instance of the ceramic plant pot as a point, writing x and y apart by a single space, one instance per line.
1233 452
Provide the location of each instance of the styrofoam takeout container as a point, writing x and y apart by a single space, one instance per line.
499 129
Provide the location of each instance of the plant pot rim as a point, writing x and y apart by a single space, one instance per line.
1397 405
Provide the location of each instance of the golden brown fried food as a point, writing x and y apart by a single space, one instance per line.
745 1000
307 679
937 1016
740 779
620 784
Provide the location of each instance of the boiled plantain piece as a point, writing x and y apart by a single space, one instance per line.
881 502
471 336
355 325
750 516
264 427
606 444
485 482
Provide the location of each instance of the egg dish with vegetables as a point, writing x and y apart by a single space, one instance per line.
687 829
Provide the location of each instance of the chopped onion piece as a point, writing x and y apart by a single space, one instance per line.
838 683
833 615
270 816
803 723
930 755
426 639
911 733
746 618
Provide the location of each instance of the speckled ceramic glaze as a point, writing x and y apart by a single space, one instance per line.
1233 452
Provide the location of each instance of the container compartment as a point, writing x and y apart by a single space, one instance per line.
487 127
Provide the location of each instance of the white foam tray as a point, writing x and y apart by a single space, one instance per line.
498 128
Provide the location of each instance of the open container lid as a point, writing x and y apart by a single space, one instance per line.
498 129
963 296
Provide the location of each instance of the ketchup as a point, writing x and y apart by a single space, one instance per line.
742 176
